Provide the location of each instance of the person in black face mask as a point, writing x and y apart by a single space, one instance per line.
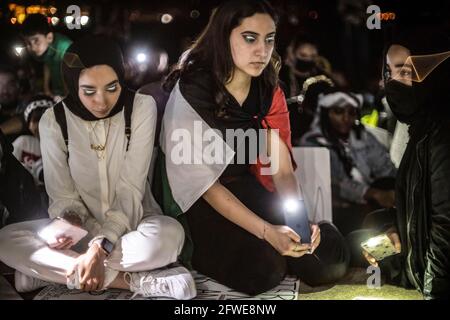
417 89
302 62
398 81
304 65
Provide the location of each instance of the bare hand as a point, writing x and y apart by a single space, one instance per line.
315 237
63 242
286 241
91 269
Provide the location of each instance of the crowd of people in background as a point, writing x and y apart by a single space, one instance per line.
372 191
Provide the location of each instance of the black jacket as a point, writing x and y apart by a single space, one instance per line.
423 210
18 193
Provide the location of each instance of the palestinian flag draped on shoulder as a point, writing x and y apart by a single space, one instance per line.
194 149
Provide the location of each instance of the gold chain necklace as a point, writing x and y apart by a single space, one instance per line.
100 148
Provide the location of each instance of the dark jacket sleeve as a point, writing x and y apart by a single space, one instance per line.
437 272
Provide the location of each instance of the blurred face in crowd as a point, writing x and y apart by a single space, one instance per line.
398 66
304 59
34 127
342 119
252 44
39 43
307 52
99 89
9 88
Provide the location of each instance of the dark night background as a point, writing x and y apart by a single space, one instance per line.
351 48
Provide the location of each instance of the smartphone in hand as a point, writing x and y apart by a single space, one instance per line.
59 227
379 247
296 217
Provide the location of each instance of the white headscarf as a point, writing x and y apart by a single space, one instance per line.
340 99
35 104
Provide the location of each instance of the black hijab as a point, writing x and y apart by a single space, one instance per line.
85 53
197 87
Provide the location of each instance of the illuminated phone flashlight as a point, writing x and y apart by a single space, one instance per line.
166 18
296 217
141 57
69 19
375 241
54 20
291 205
19 50
84 20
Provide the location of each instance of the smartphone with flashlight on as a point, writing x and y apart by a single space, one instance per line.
58 227
296 217
379 247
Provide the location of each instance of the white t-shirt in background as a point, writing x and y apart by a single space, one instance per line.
28 151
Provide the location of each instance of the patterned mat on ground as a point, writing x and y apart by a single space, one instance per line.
207 289
352 287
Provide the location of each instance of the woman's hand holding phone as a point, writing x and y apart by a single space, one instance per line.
288 243
63 241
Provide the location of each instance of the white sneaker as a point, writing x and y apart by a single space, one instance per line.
175 283
24 283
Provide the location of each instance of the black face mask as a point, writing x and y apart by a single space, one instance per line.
402 101
12 105
303 65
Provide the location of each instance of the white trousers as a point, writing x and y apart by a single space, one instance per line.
156 243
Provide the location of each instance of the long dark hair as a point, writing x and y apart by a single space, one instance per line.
211 51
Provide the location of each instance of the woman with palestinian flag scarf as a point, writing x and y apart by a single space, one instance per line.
230 206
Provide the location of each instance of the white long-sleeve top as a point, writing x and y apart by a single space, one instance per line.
111 195
28 151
